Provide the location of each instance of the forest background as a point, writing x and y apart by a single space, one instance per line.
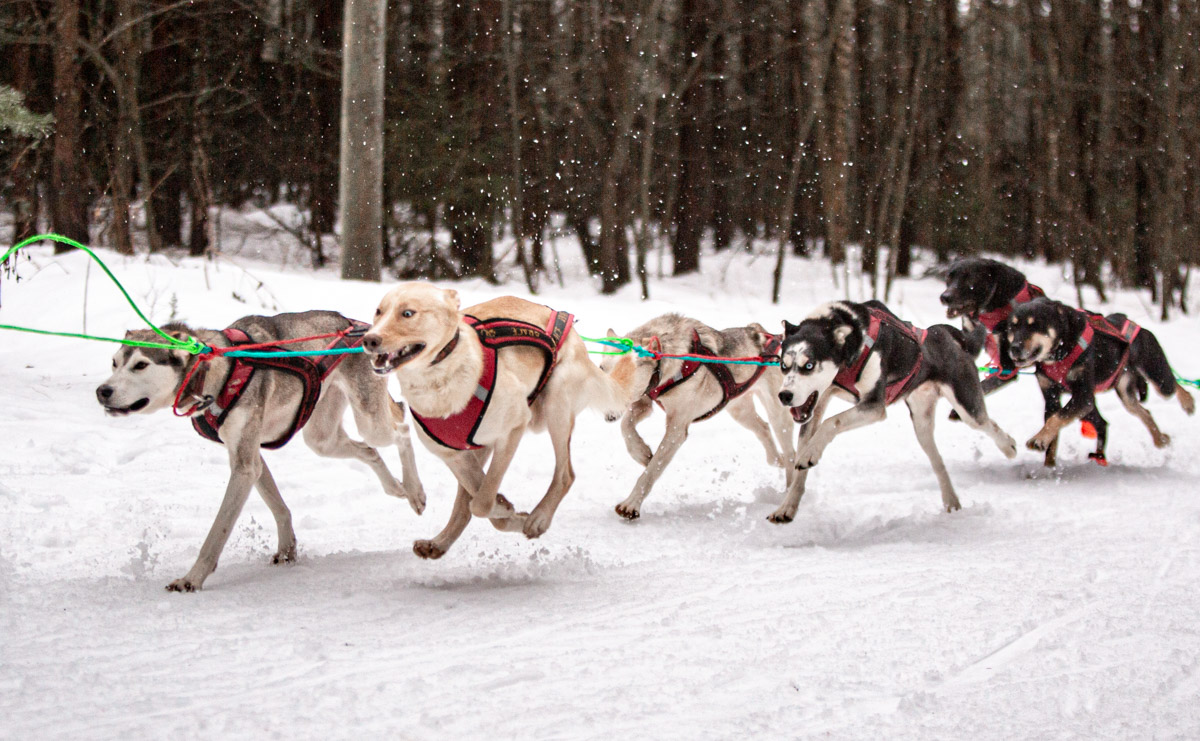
1064 130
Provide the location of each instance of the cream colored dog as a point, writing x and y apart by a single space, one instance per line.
475 381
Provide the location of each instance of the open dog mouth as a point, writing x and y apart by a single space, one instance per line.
957 310
136 406
804 412
385 363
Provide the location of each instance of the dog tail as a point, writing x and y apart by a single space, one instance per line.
971 342
1147 357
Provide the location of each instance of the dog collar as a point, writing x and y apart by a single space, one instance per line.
449 348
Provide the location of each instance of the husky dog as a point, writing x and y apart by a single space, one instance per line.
864 353
984 292
689 391
476 380
1085 354
246 405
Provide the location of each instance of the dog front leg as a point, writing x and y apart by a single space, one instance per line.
676 433
797 478
864 413
484 500
286 552
245 465
460 515
1082 402
634 443
1052 399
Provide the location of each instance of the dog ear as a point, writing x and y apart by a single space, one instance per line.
789 328
610 333
452 298
757 327
841 332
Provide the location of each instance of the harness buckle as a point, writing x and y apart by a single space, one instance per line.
202 403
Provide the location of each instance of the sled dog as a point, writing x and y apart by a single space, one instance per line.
864 353
691 391
247 404
476 380
984 293
1084 354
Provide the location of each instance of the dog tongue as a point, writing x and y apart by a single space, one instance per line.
797 414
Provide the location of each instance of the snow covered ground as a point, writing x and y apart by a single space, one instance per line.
1056 604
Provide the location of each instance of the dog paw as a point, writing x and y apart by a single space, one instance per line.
285 555
535 525
1038 443
416 500
1162 441
628 511
1009 448
951 504
183 585
428 549
642 455
781 517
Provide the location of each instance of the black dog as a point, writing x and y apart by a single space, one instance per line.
985 292
1084 354
865 354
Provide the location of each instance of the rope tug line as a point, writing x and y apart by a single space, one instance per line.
621 345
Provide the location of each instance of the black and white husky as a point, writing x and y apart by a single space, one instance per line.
865 354
247 405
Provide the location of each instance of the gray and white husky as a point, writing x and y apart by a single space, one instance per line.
266 413
691 392
865 354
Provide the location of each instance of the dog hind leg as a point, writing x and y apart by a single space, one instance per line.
676 433
380 421
743 412
1128 396
921 404
286 552
560 427
327 437
967 400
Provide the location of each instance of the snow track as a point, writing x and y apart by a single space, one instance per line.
1056 604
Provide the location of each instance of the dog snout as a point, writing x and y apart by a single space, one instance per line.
104 393
786 397
372 342
946 297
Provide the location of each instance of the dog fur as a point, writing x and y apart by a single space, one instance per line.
145 380
413 323
832 338
1045 330
976 285
697 395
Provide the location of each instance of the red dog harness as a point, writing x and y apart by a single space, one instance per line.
312 373
1058 371
458 430
847 378
730 389
992 319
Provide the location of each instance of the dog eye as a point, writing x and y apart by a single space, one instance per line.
141 365
809 366
407 313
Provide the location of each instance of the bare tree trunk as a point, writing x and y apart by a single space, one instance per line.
68 194
514 115
361 190
835 154
24 198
